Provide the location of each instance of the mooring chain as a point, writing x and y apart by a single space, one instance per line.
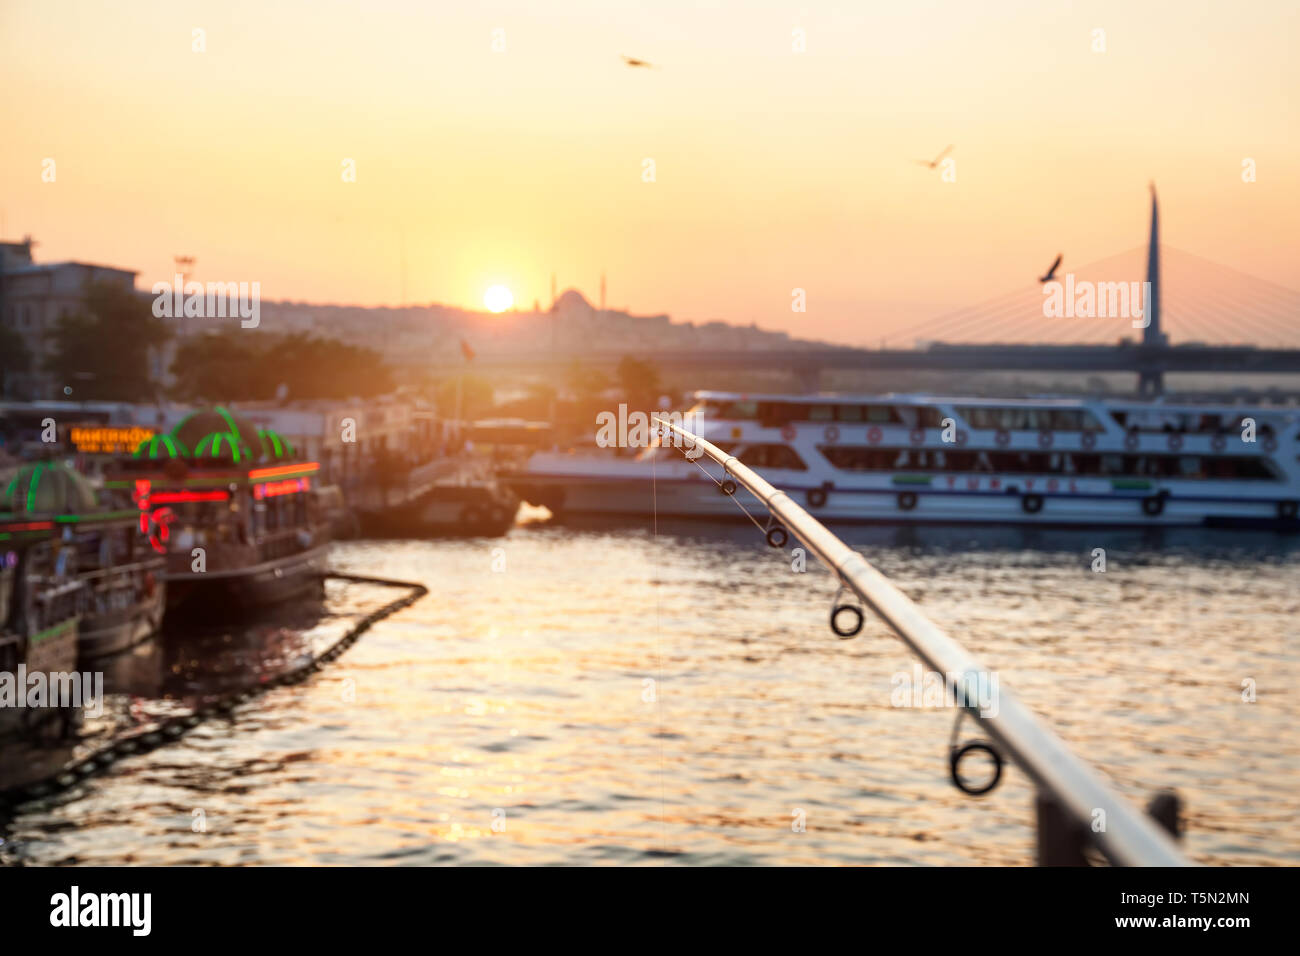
173 728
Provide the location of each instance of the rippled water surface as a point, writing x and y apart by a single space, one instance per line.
621 696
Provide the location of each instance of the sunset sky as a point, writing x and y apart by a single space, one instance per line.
774 169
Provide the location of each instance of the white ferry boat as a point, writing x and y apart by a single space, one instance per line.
921 458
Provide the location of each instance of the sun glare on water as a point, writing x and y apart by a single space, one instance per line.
498 299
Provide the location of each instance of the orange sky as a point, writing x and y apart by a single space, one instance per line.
775 170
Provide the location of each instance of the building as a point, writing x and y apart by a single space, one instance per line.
33 298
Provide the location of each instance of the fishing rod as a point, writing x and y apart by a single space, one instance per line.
1072 795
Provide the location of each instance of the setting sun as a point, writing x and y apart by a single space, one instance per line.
498 299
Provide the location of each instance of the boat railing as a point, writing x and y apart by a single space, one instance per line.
1075 806
113 576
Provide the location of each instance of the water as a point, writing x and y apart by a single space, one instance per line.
519 697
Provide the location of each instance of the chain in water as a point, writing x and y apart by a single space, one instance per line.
173 728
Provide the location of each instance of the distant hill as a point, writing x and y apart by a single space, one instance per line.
573 327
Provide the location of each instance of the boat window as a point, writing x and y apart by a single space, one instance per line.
1161 420
1018 418
927 417
849 413
819 413
871 458
772 456
738 411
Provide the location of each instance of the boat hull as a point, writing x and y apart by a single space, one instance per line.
123 628
899 504
237 592
54 651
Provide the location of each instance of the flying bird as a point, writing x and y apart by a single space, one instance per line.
634 62
937 160
1051 273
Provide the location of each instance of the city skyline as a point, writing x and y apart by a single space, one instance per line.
476 167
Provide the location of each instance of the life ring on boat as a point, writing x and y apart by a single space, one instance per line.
1153 505
160 531
788 432
1003 438
1175 441
874 434
906 500
1131 441
1045 439
1031 504
1219 442
831 433
1286 510
1089 440
816 497
917 436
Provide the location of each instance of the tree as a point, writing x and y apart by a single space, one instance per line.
584 381
323 368
640 382
14 355
476 396
104 346
238 365
216 367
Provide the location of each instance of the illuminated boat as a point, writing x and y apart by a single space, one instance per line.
122 604
232 509
934 459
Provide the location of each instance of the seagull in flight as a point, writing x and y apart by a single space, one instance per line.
1051 273
634 62
937 160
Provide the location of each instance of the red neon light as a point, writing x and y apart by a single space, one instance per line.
273 489
29 526
175 497
257 473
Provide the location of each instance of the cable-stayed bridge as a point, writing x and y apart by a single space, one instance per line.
1194 316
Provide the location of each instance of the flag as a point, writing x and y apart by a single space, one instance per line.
466 351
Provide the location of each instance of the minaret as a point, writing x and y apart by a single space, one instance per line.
1151 378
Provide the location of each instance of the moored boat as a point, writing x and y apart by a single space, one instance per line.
920 458
40 607
122 603
230 507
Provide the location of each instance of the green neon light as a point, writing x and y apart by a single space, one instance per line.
230 421
213 441
31 487
55 630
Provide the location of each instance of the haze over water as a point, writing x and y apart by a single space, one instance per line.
522 690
